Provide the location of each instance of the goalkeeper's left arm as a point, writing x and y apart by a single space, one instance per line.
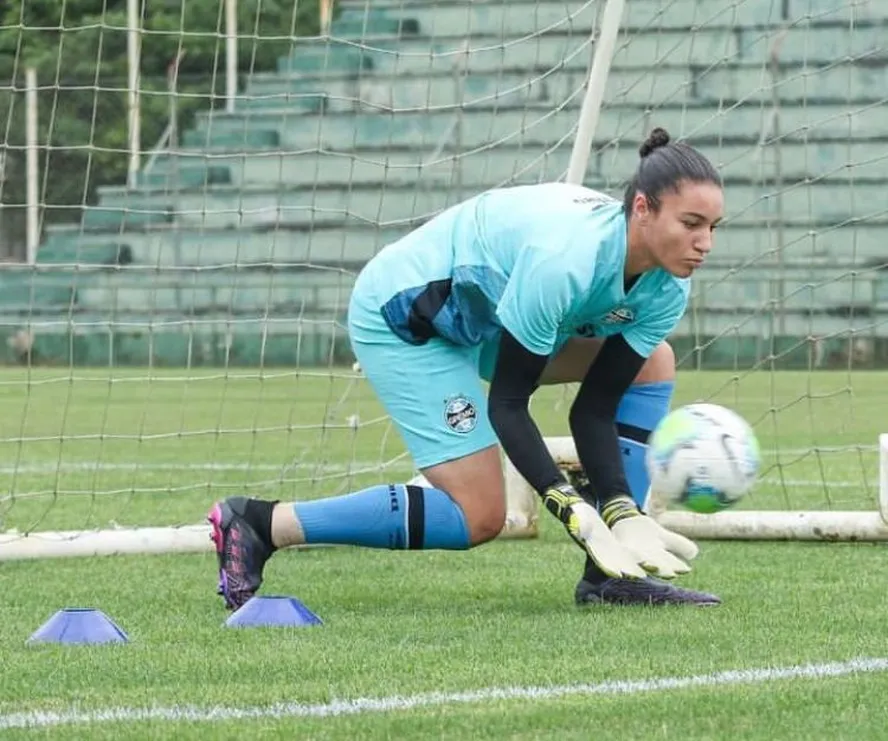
514 379
592 425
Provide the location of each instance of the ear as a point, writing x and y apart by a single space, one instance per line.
640 206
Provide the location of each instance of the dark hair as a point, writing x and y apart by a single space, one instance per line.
664 164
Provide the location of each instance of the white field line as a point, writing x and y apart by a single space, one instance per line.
395 703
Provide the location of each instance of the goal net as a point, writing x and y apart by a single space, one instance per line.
189 190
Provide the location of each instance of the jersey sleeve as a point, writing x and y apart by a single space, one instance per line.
658 322
538 297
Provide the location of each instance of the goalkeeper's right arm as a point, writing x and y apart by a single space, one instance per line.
515 379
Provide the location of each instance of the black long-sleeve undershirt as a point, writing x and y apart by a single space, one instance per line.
516 377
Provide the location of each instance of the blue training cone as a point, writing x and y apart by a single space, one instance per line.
79 625
272 611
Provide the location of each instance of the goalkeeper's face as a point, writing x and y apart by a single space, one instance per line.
680 233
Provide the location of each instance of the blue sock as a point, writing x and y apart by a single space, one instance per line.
640 411
391 516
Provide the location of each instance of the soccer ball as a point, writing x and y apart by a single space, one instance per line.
703 456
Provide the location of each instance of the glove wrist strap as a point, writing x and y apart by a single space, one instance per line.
619 508
559 500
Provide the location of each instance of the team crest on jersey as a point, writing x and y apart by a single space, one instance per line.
620 315
460 414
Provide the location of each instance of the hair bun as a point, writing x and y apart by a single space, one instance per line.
658 138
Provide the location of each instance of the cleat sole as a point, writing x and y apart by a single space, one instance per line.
215 517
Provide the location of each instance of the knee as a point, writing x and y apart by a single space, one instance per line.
660 366
486 521
475 484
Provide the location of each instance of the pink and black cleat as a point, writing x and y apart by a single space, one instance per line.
242 553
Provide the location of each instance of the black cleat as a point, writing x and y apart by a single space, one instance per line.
647 591
242 553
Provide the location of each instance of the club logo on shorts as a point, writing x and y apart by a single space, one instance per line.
460 414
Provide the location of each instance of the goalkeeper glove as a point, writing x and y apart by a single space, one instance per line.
588 530
657 549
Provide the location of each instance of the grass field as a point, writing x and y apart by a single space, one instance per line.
482 644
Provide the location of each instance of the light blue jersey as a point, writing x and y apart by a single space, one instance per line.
544 261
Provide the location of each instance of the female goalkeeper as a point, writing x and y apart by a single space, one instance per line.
521 286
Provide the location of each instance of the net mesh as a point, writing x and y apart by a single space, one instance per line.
180 333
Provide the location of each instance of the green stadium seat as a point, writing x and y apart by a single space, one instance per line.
131 215
94 251
26 291
320 55
365 23
521 18
245 139
171 176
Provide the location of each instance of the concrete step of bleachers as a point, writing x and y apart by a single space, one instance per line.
150 291
269 207
365 22
137 215
175 172
512 19
350 244
319 56
823 287
63 246
518 18
796 288
536 124
381 92
814 43
742 344
856 11
762 323
392 169
333 246
427 55
848 82
239 138
216 325
775 245
819 203
212 340
792 161
230 291
25 291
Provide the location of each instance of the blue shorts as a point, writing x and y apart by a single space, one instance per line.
432 392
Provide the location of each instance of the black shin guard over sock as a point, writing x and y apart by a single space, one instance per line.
258 514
